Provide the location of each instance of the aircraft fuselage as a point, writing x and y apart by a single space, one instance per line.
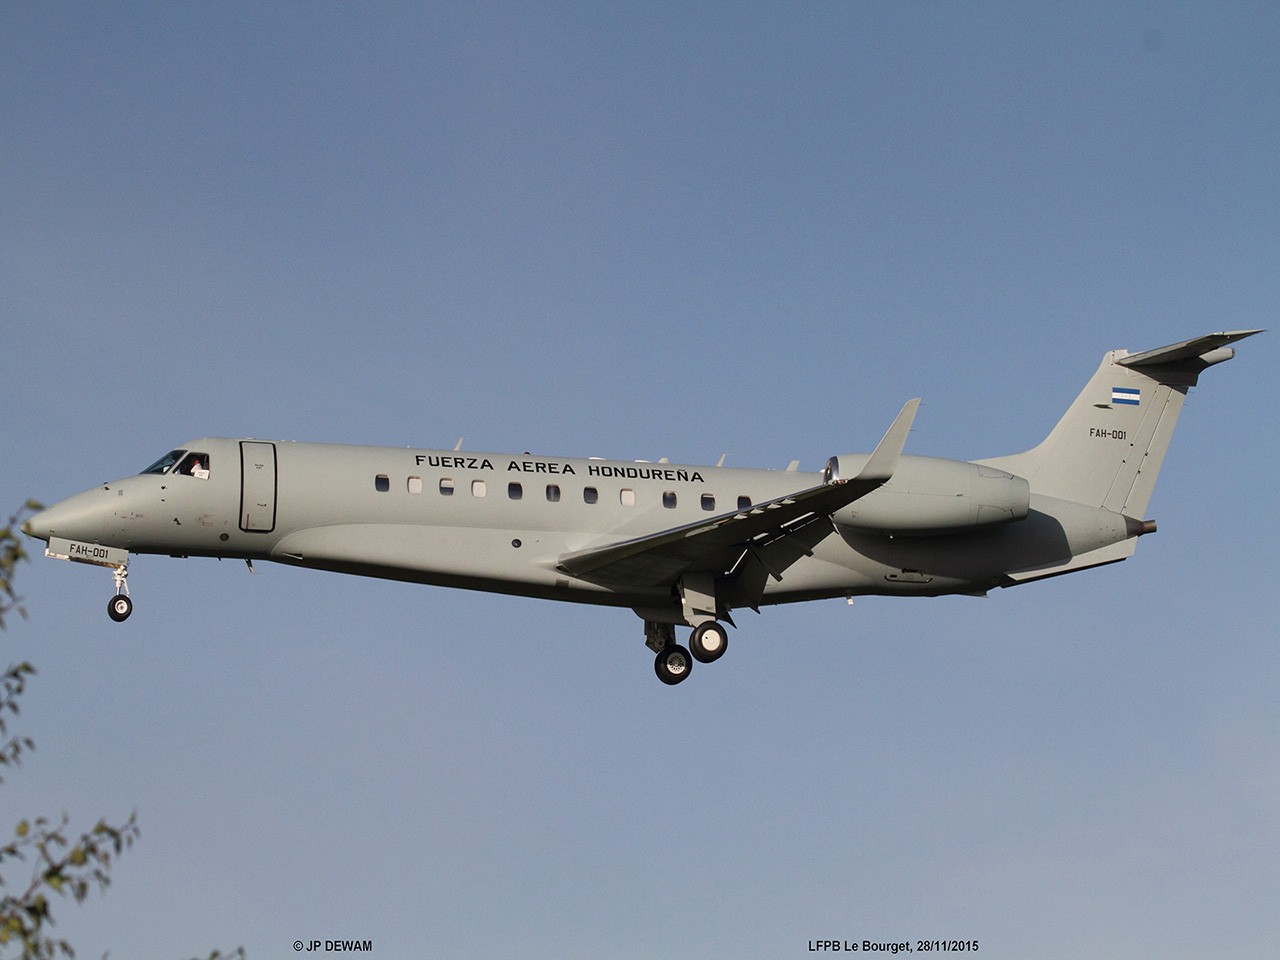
680 544
501 522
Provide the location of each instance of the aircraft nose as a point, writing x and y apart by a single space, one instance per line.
86 516
38 526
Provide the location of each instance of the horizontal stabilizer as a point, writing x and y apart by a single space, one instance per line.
1108 448
1188 350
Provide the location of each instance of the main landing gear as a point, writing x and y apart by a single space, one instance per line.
673 663
120 606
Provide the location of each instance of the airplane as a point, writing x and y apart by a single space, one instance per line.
681 545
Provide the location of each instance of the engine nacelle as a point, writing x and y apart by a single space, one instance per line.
927 495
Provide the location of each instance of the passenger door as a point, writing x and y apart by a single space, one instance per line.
257 486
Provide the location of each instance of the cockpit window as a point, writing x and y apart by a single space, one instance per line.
164 463
195 465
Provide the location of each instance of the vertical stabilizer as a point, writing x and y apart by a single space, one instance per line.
1107 449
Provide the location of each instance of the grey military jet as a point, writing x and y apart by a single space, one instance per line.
681 545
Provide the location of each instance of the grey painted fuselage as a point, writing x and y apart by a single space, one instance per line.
681 544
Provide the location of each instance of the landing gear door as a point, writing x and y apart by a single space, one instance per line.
257 486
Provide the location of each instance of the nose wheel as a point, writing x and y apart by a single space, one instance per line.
120 606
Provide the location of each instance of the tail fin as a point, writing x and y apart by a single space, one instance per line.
1107 449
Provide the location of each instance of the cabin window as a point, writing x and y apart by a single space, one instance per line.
515 491
708 501
446 487
382 483
479 488
195 465
627 497
553 493
415 484
669 499
164 463
590 494
744 503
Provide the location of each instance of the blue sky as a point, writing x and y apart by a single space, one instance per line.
643 231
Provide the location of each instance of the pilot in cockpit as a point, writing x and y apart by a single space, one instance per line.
196 465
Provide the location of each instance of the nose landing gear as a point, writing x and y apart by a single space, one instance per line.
120 606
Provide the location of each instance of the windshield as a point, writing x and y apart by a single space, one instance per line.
164 463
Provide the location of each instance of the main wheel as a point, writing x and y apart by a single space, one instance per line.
708 642
673 664
119 608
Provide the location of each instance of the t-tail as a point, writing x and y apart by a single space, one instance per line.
1107 449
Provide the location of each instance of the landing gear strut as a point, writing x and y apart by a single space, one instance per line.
120 606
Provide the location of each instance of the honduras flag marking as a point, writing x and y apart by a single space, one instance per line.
1129 395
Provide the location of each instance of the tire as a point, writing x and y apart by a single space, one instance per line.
119 608
709 641
673 665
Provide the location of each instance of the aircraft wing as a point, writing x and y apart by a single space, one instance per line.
717 543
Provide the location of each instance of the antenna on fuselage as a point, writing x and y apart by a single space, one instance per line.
458 446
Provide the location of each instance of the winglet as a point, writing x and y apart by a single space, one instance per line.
884 459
